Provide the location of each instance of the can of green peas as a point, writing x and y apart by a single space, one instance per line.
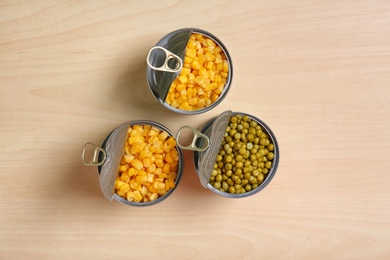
241 160
189 71
139 163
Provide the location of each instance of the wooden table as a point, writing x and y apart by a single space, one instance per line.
317 72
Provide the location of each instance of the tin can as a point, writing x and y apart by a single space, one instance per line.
165 62
204 160
108 157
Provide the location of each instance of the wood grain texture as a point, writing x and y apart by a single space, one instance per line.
317 72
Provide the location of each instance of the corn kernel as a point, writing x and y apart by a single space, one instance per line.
137 164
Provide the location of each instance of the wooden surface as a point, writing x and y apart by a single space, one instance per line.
317 72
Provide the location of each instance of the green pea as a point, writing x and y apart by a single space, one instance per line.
268 165
217 185
225 186
270 156
231 189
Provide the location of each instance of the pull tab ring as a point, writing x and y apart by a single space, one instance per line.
193 145
168 56
96 152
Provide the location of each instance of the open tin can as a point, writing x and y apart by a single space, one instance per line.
246 168
109 157
201 87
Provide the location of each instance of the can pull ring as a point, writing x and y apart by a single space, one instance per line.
172 62
193 145
96 152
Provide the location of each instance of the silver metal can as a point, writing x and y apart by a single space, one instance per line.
108 157
165 62
200 157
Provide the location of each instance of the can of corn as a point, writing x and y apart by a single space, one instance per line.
139 163
189 71
242 158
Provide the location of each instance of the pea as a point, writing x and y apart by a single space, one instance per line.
231 189
225 186
217 185
218 178
268 165
270 156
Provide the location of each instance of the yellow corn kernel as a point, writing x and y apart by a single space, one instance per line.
159 163
182 99
183 79
153 196
146 162
171 183
196 65
137 164
121 193
157 171
224 74
175 155
200 80
187 61
214 97
167 168
192 101
150 177
225 67
209 65
151 168
130 196
141 179
137 196
209 56
216 50
201 103
125 188
201 59
118 184
157 185
162 177
125 177
191 44
191 77
122 168
218 78
134 185
191 53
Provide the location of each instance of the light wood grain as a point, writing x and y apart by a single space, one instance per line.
317 72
